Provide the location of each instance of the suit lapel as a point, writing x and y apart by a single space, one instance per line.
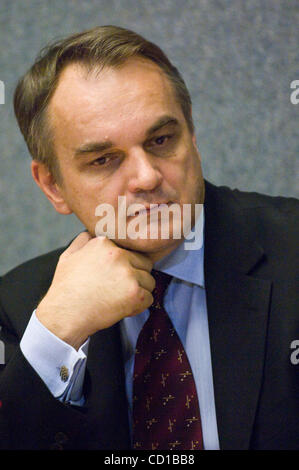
237 310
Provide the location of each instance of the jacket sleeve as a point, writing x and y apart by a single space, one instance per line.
30 417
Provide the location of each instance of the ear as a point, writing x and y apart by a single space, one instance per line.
195 146
54 192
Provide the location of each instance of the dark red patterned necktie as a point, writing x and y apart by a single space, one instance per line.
165 406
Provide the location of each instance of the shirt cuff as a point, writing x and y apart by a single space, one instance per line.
59 365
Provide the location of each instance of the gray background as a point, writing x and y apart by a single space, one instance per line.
238 59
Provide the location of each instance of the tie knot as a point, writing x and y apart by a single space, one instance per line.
162 282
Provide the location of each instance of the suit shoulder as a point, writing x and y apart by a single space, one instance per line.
269 222
29 279
269 217
275 216
22 288
255 200
238 199
39 266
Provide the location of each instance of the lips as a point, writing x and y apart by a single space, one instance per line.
139 209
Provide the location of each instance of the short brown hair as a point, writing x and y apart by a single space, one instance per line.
99 47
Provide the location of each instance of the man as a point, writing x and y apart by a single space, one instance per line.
105 114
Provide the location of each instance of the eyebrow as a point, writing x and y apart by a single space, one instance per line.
163 121
98 147
93 147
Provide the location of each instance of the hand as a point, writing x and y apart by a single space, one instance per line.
96 284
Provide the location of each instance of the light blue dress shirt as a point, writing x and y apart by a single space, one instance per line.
185 302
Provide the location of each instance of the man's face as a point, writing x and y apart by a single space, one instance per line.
122 133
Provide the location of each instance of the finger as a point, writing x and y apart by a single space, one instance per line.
145 302
140 261
145 280
79 242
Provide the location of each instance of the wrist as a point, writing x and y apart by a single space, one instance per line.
61 326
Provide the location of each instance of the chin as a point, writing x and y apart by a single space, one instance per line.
157 248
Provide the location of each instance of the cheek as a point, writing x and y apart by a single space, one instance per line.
82 198
192 164
188 177
181 174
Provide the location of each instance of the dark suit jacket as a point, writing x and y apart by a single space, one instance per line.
252 297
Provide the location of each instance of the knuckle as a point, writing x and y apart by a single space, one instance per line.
134 290
63 256
95 241
114 253
148 300
100 239
134 293
84 235
126 273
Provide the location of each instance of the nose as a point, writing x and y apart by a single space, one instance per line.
145 174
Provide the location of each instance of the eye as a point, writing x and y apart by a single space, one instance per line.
161 143
105 160
100 161
162 139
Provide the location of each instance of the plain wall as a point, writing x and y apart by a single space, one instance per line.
238 59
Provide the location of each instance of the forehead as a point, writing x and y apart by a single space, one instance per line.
112 97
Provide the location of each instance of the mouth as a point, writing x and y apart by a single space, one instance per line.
146 209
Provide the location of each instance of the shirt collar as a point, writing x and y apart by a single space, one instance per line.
187 264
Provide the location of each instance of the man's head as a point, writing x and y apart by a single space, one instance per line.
100 47
104 113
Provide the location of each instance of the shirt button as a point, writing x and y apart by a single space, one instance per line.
64 373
